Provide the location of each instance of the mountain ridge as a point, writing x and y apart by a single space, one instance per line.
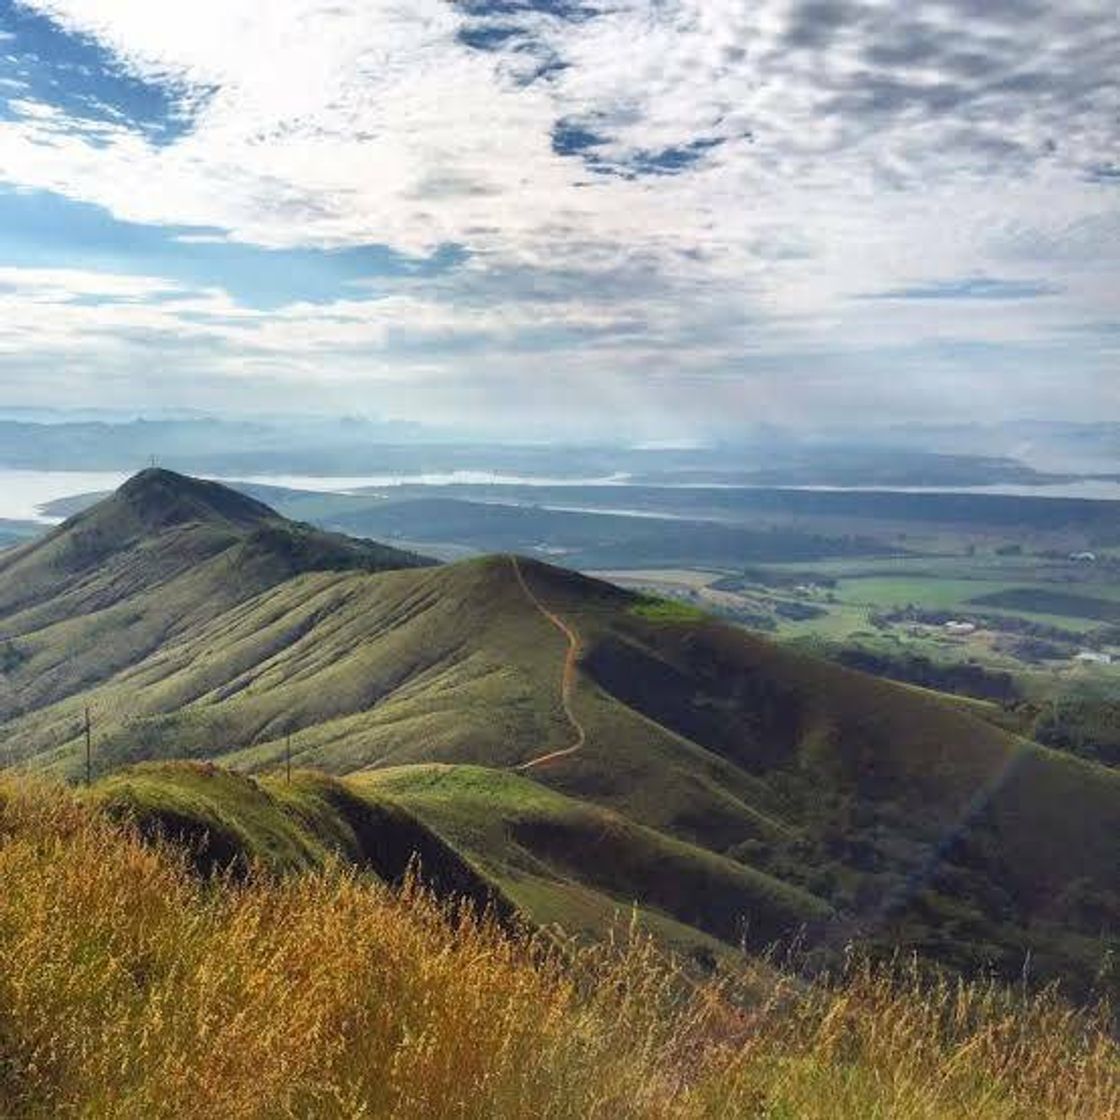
911 820
162 553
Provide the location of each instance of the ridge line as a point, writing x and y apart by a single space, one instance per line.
567 675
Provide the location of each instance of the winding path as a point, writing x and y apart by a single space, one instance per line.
567 678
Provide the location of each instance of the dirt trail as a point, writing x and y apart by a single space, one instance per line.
567 678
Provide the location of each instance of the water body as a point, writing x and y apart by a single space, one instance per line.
23 493
1090 488
357 484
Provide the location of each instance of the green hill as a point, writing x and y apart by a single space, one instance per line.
231 820
161 557
732 788
497 838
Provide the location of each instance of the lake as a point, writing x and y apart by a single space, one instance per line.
23 492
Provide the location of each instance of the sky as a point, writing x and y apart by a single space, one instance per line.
661 219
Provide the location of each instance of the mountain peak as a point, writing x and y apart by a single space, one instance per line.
161 498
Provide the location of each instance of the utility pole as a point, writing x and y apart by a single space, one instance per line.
89 749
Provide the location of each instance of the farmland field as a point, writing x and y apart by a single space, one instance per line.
902 606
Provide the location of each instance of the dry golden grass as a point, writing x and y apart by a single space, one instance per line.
128 988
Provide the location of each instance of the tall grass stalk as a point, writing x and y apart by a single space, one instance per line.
130 988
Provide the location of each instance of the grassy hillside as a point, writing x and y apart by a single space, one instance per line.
531 840
732 787
161 557
228 820
469 832
13 532
131 987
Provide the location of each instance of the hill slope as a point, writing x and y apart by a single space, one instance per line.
131 988
160 557
771 789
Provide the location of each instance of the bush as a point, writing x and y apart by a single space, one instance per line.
11 657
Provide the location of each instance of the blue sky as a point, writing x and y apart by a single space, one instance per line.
47 230
658 218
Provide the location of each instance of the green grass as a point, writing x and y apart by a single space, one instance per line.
523 833
233 821
654 609
931 592
461 818
227 817
1047 601
947 582
746 776
976 589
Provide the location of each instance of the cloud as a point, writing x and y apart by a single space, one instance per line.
391 98
66 285
45 229
977 287
84 81
706 186
814 24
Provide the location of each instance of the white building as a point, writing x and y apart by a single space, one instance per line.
960 629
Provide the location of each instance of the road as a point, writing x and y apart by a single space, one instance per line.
567 676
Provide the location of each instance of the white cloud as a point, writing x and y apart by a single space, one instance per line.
857 146
65 284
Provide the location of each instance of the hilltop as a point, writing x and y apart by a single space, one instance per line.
736 790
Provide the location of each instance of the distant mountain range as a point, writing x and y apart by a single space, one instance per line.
1029 455
737 792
